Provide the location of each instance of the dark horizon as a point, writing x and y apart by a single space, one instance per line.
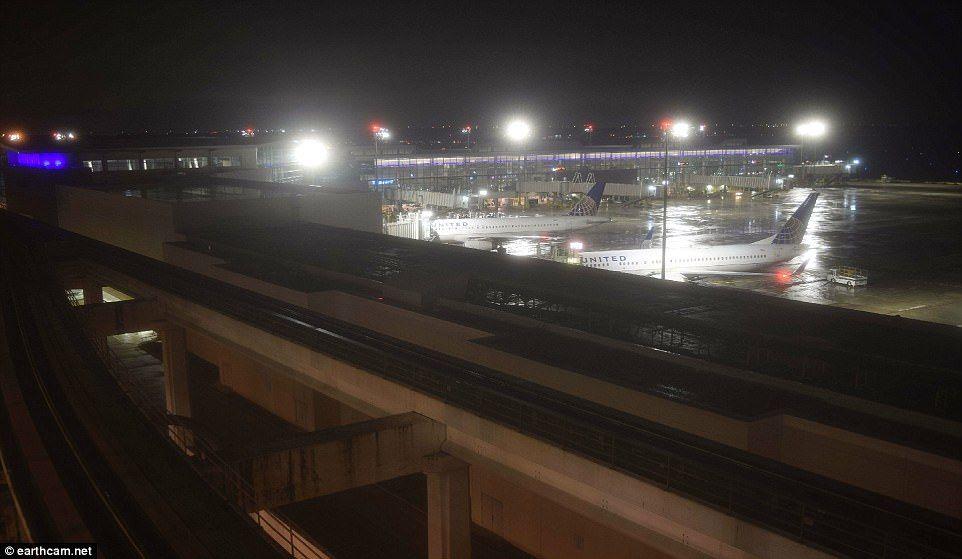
104 67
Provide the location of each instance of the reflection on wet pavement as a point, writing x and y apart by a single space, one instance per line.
909 243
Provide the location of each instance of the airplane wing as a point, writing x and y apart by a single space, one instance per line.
510 237
697 274
694 275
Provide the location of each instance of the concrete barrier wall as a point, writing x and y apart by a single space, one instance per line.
286 399
544 528
134 223
351 210
143 225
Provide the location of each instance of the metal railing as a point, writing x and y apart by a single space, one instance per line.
872 377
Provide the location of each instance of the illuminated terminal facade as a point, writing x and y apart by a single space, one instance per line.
271 161
504 170
404 167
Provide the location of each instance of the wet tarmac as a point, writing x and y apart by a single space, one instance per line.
909 243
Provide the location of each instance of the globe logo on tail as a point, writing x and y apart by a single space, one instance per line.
793 231
588 205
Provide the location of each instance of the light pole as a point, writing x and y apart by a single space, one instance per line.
809 131
517 132
677 130
311 154
381 134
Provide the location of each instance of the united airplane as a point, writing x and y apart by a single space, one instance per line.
582 215
713 260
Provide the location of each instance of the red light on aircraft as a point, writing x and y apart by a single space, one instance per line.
783 275
665 125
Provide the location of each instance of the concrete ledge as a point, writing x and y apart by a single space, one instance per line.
121 317
341 458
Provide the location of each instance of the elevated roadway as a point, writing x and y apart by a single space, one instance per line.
81 460
705 498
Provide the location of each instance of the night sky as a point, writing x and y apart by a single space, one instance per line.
158 65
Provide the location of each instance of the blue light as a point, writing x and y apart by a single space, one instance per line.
39 160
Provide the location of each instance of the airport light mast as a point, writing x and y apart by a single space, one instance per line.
810 131
311 154
380 135
517 131
677 130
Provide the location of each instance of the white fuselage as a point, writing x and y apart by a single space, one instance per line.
693 260
483 227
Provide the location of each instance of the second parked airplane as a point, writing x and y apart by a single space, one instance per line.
713 260
582 215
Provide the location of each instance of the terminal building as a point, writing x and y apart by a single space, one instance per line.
266 158
445 171
155 190
630 173
447 178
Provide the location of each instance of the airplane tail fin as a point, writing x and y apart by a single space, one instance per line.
647 242
589 204
794 229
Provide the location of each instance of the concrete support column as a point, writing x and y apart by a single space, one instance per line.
449 507
176 383
93 293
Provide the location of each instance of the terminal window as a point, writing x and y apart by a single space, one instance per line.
191 162
225 161
123 165
160 163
